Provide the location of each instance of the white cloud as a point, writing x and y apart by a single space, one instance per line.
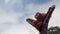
6 1
7 19
9 16
21 29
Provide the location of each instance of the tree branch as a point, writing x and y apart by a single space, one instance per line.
45 23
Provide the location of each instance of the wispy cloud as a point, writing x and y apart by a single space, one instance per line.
21 29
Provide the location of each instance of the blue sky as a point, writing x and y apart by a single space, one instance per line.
36 1
20 6
13 14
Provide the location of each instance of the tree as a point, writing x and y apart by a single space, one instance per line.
54 30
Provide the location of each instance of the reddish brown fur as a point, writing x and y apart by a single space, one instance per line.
39 20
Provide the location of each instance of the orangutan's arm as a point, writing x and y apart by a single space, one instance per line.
31 21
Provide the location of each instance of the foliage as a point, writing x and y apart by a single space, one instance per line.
54 30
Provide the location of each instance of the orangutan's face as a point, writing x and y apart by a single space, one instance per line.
40 16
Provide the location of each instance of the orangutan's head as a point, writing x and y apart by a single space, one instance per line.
40 16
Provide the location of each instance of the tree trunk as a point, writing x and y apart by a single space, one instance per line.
45 23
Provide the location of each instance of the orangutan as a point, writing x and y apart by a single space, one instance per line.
40 19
